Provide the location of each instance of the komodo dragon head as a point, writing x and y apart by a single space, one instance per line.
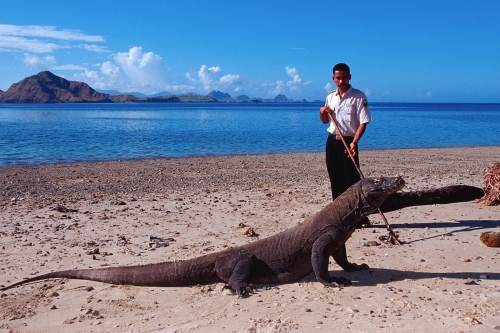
376 190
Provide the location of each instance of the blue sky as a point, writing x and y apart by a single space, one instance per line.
398 51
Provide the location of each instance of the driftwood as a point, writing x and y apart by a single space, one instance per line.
442 195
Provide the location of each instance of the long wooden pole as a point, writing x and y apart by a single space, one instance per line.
391 232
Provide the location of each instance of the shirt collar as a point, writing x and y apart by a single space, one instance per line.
347 93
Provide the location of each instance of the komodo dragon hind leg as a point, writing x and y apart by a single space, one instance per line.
236 270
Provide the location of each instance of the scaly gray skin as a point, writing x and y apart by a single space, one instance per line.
282 258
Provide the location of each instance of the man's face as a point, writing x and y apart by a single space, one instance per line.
341 79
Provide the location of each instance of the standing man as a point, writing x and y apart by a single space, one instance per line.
350 109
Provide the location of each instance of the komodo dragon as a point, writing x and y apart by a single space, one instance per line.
281 258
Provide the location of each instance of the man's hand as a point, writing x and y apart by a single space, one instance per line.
325 113
353 148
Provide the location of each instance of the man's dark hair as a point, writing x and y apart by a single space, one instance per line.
341 67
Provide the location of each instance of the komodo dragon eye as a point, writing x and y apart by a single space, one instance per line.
376 180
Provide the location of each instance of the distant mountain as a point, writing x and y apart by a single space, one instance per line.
220 96
242 98
46 87
196 98
281 98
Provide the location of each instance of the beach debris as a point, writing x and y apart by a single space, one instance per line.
490 239
491 186
156 242
156 245
52 294
472 319
159 239
64 209
121 240
92 252
370 243
466 260
247 231
470 282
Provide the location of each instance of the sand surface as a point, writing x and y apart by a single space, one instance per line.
442 279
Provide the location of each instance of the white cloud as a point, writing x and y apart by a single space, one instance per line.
68 67
294 84
110 69
48 63
46 32
44 39
142 68
38 63
229 79
296 81
368 92
292 72
328 87
94 48
280 85
9 43
132 71
210 78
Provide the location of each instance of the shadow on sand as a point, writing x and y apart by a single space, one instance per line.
458 227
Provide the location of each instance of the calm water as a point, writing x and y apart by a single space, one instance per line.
40 134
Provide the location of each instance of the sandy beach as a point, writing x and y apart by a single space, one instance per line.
83 215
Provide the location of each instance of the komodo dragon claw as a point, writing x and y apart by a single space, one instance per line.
246 289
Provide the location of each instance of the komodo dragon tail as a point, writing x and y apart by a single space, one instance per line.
178 273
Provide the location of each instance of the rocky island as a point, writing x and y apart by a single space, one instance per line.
46 87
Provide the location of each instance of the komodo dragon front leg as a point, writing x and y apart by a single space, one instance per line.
325 246
340 257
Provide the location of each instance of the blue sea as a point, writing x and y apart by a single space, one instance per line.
60 133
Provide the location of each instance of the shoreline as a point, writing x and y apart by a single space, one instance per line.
442 275
222 155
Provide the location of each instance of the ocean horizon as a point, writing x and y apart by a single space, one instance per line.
34 134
